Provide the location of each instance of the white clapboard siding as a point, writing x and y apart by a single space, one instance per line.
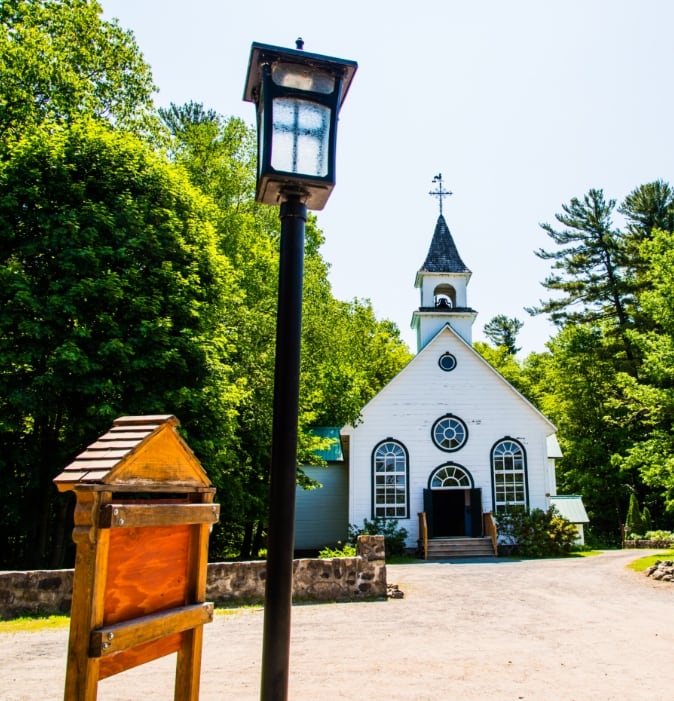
409 405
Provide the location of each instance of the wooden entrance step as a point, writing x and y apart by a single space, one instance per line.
444 548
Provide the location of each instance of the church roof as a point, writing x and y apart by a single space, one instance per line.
570 507
443 256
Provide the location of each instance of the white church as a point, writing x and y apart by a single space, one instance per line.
445 444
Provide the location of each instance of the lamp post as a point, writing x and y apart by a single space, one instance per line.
298 96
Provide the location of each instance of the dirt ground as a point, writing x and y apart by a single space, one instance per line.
581 629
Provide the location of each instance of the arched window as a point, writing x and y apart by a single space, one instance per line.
509 475
444 296
390 480
450 476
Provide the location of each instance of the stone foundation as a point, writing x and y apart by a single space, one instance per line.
340 579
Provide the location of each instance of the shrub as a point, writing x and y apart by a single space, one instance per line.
646 519
537 533
341 550
634 522
664 536
394 535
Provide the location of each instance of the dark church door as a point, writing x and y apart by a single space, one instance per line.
453 512
448 513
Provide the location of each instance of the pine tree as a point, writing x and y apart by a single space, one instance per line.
634 523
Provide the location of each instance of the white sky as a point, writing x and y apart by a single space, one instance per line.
520 104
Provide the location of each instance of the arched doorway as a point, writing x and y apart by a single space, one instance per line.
452 504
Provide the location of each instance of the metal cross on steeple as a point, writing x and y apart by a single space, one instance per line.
439 193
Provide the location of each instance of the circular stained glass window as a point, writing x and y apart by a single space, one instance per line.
447 362
449 433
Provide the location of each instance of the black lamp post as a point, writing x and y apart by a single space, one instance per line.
298 96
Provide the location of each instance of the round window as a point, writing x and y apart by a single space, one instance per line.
447 362
449 433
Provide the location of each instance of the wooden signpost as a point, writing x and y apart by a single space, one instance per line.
143 516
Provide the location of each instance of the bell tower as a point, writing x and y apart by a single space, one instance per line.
442 281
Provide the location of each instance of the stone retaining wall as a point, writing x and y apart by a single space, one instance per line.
339 579
650 544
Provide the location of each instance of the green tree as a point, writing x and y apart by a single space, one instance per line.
219 156
114 299
347 354
581 393
647 208
60 60
651 398
502 331
634 523
589 283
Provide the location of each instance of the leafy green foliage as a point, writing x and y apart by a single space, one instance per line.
114 299
347 354
59 61
502 332
634 522
341 550
394 534
537 533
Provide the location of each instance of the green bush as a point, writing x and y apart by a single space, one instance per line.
647 519
660 535
341 550
394 535
634 522
537 533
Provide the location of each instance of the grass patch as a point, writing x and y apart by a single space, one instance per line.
644 562
403 560
34 624
584 553
232 608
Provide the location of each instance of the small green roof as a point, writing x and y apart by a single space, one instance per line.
334 452
570 507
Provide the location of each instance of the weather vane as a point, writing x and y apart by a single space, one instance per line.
439 193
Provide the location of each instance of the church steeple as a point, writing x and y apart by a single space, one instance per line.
443 255
442 279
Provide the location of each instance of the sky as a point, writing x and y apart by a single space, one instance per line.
521 105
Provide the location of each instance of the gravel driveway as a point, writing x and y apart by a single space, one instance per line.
580 629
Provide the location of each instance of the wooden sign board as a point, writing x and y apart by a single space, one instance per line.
140 571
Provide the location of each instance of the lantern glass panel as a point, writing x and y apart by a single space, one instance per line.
292 75
300 138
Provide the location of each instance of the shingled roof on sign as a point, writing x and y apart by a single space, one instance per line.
443 256
137 451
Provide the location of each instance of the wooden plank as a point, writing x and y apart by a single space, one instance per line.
153 514
71 476
147 571
188 666
88 594
113 443
164 457
126 434
114 664
122 636
93 464
154 419
107 453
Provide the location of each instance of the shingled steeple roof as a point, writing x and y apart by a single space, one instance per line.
443 256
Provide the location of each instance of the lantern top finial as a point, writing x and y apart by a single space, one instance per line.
299 43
